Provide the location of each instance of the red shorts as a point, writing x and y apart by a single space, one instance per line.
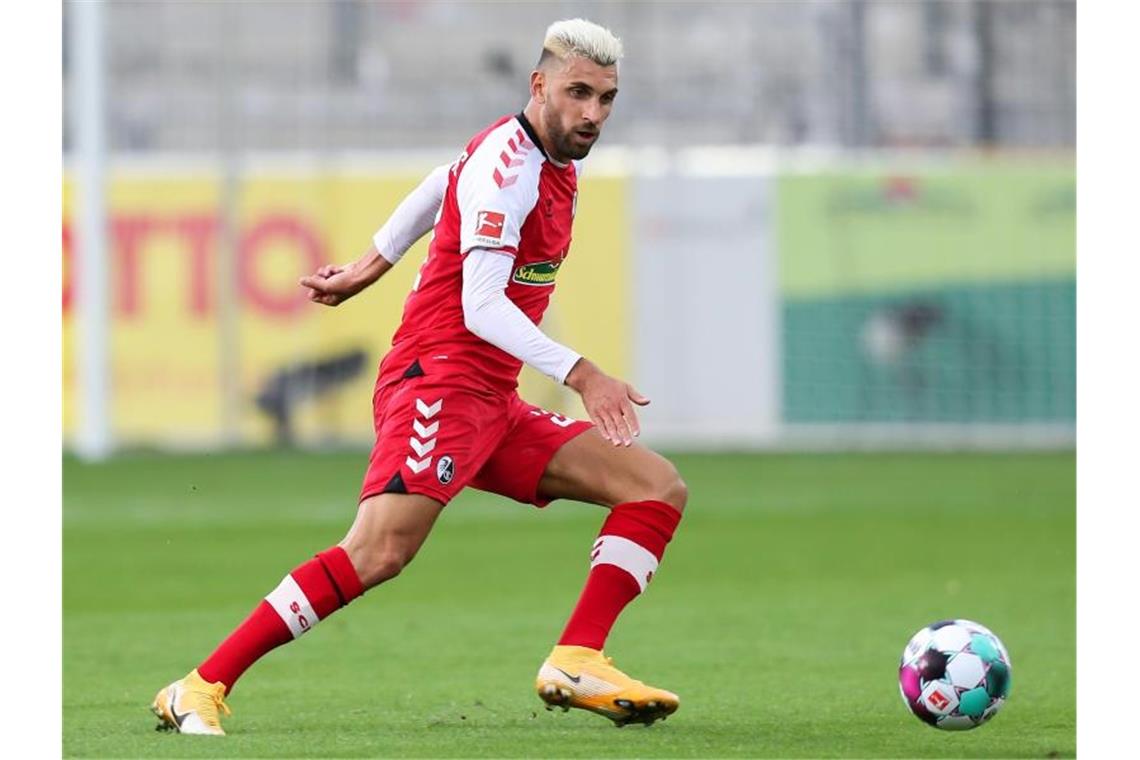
435 437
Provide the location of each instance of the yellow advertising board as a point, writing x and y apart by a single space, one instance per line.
172 332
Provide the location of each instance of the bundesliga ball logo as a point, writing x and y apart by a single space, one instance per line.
954 675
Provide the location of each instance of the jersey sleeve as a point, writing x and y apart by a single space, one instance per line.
413 218
489 314
496 191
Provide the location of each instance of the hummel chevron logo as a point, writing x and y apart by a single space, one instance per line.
425 431
429 411
417 466
574 679
513 159
506 181
422 448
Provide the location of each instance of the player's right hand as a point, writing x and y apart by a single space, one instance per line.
334 284
330 285
609 402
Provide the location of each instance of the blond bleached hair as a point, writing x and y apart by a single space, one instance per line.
579 37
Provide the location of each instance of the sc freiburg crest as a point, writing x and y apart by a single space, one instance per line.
445 469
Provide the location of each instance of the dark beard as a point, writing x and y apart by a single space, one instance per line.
577 154
566 149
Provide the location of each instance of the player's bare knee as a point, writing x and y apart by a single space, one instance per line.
377 561
670 488
678 494
658 482
384 566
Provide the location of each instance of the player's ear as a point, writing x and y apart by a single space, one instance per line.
538 85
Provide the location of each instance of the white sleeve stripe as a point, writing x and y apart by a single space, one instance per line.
630 556
291 604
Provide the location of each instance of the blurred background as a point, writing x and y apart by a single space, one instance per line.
807 225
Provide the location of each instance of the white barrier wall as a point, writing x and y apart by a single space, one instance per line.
706 309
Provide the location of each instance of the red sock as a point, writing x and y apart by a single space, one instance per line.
309 594
625 556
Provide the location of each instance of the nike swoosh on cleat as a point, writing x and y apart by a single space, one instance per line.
174 701
573 679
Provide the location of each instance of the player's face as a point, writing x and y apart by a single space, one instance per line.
579 97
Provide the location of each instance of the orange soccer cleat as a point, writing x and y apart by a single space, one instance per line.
585 678
190 706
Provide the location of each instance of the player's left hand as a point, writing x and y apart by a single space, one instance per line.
609 402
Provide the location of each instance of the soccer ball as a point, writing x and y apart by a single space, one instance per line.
954 674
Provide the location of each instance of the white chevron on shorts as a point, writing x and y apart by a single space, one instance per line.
429 411
422 448
425 431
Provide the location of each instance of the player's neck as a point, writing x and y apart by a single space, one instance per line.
533 115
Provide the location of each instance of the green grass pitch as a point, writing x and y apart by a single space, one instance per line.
779 613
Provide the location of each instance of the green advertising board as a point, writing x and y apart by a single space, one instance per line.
934 295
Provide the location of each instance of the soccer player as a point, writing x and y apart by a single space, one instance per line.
446 411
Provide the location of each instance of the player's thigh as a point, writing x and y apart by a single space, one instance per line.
388 531
591 469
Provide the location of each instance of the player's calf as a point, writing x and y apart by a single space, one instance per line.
385 536
623 560
308 594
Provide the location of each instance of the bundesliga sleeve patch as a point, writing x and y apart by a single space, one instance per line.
489 227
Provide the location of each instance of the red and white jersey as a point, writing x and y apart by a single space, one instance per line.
503 194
